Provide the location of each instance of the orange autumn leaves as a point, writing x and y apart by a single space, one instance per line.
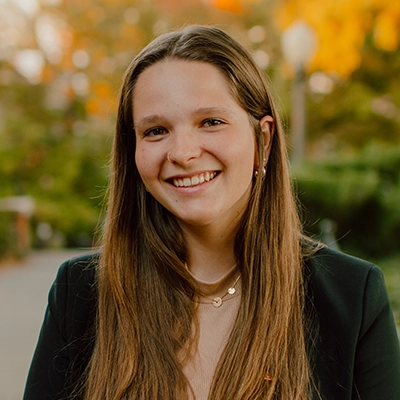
108 32
235 6
341 26
387 26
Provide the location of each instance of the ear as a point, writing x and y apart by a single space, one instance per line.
267 127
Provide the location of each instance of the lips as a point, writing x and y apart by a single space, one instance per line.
194 180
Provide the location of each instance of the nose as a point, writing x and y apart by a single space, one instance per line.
184 147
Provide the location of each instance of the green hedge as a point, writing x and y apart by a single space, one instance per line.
360 194
65 174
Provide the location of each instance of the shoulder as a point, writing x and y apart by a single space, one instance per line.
355 337
68 330
73 295
334 263
334 273
77 273
346 292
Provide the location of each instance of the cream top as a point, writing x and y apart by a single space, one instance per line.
215 326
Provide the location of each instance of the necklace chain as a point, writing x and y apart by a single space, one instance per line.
218 301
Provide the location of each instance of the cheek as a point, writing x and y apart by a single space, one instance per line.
142 163
248 153
148 163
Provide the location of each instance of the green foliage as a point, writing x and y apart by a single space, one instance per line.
364 109
390 266
362 196
55 139
59 159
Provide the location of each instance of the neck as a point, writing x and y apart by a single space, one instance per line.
211 256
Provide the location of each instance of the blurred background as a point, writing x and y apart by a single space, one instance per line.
334 64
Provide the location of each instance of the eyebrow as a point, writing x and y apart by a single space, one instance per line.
212 110
150 119
155 118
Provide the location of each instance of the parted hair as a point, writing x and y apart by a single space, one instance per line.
146 312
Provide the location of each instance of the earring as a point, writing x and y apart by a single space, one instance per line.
263 172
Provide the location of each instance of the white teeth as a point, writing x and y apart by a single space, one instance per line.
195 180
177 182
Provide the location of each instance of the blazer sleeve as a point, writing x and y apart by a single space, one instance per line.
377 357
356 351
64 340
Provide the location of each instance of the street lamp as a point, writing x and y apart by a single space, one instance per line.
298 46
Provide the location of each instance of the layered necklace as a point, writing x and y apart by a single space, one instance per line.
217 301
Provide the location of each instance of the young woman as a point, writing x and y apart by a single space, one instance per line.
205 287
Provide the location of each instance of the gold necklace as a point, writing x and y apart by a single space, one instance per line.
218 301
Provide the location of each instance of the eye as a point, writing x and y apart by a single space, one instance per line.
212 122
157 131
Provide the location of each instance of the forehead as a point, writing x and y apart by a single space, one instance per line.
169 69
181 82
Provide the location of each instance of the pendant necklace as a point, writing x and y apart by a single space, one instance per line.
218 301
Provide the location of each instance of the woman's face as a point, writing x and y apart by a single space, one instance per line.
195 147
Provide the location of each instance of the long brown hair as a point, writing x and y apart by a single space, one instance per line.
145 308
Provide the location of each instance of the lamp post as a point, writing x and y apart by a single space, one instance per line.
298 46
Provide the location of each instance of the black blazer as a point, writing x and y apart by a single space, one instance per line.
354 354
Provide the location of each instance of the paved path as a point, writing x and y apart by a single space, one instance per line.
23 298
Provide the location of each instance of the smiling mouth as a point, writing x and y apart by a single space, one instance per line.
194 180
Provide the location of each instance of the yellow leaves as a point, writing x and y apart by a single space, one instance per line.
339 45
341 27
387 28
93 107
102 89
102 103
234 6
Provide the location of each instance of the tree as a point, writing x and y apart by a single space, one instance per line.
342 27
61 64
